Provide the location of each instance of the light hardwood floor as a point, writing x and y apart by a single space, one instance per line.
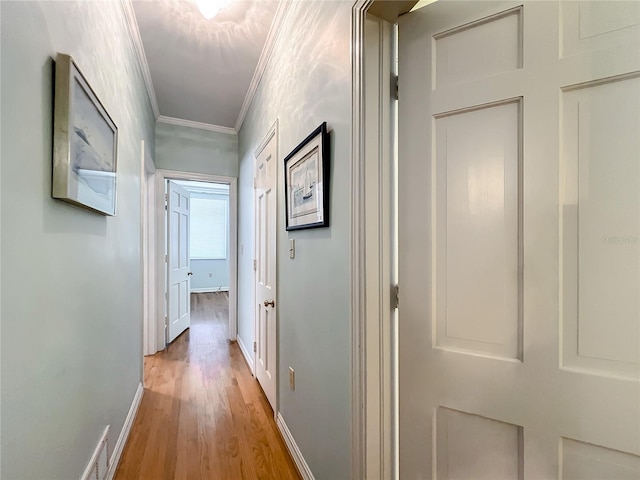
203 416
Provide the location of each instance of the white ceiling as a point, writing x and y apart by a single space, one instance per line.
202 70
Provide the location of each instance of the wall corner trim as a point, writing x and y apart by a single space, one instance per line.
359 419
263 61
303 468
134 32
124 434
199 125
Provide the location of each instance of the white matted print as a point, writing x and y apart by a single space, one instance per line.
307 182
85 143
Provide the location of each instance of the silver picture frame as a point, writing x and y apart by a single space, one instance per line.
85 143
306 182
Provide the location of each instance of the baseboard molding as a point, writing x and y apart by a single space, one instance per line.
209 289
124 434
245 354
295 452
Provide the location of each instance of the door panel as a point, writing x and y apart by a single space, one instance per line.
519 219
265 248
178 277
601 214
477 158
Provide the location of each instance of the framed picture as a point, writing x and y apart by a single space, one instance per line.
306 182
85 141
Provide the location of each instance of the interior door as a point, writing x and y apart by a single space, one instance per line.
519 221
178 274
265 269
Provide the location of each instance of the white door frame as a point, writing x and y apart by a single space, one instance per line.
148 249
373 423
160 221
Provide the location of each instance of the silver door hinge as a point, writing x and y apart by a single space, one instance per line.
255 347
255 264
165 258
255 182
394 87
395 296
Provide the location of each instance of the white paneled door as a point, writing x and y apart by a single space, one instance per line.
519 239
178 274
265 267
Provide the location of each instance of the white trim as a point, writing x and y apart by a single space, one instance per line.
378 248
209 290
296 454
272 37
149 164
357 253
199 125
124 434
144 253
371 247
245 354
161 177
147 245
272 131
371 273
134 32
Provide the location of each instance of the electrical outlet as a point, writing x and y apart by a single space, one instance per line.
292 378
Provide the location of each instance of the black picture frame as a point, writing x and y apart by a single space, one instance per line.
306 182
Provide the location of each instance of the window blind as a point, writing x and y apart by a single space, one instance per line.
209 228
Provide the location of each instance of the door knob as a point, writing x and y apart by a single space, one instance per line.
190 273
267 303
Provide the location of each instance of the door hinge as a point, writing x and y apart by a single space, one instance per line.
166 197
255 182
394 87
255 264
165 259
395 296
255 347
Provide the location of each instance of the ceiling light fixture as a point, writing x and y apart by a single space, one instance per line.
210 8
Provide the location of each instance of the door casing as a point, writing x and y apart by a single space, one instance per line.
372 395
161 178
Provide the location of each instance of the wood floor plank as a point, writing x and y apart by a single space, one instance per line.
203 416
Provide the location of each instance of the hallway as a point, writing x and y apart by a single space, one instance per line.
203 416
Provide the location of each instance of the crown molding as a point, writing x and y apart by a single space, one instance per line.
134 32
272 37
191 124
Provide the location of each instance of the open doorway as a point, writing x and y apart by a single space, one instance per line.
224 191
197 299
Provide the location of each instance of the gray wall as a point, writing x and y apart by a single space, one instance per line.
308 81
219 271
72 338
194 150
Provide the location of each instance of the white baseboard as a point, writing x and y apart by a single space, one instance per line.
124 434
295 452
209 289
245 354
